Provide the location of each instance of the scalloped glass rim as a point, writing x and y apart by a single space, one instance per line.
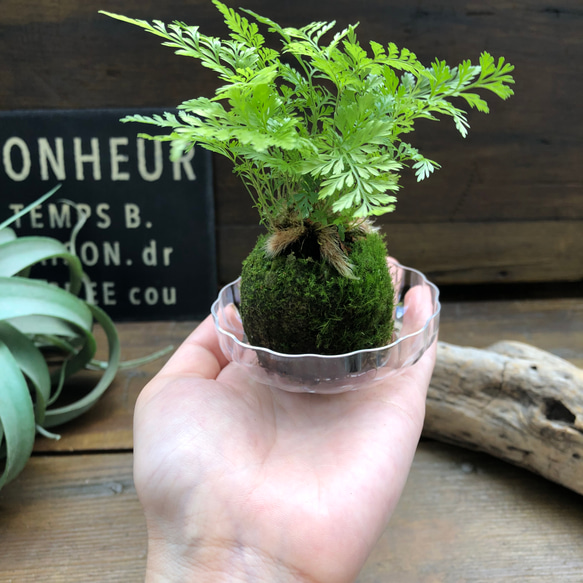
324 373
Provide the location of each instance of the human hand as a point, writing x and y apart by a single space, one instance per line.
240 482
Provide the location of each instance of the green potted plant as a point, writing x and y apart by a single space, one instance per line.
316 131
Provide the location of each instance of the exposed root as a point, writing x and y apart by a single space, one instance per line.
292 232
281 239
331 250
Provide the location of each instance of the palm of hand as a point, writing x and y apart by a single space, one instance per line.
303 481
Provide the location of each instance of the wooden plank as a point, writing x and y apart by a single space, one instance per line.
553 325
505 207
461 253
502 171
463 517
519 163
456 253
75 519
469 518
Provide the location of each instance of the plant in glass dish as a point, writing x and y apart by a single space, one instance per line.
316 131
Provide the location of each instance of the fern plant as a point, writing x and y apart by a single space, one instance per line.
323 136
317 130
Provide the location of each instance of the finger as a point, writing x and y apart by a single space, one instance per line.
420 373
414 337
418 305
199 355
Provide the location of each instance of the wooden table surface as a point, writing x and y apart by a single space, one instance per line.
73 515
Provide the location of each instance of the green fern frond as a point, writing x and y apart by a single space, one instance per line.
334 119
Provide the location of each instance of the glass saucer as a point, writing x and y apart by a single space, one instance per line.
416 315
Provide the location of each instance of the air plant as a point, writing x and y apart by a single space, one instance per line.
46 336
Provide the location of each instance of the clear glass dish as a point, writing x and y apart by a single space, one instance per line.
416 314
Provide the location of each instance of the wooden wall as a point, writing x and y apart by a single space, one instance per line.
507 205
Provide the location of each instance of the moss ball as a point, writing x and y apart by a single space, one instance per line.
298 305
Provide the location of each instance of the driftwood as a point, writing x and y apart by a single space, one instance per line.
513 401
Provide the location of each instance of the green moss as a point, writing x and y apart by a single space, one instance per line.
297 305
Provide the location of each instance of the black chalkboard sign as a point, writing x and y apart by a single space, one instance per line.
148 245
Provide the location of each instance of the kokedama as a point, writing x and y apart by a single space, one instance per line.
315 132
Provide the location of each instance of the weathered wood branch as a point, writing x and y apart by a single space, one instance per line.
513 401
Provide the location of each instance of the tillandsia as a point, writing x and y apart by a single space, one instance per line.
316 129
46 335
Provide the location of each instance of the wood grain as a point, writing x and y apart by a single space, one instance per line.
468 518
505 207
506 196
513 401
73 519
456 253
464 517
553 325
